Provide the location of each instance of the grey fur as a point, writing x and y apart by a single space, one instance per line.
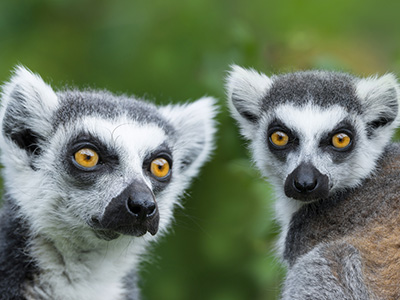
311 278
322 88
338 207
73 231
77 103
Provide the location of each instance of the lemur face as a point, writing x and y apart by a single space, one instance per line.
313 133
310 155
116 174
97 164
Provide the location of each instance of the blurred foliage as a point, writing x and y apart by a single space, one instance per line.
221 244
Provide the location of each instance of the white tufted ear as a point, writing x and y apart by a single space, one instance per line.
246 89
195 128
27 108
380 100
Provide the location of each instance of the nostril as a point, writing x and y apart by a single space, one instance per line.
151 209
135 208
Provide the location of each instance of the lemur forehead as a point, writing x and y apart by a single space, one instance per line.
321 88
136 136
311 119
75 105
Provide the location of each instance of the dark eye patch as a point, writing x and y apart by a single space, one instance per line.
338 154
163 151
108 159
293 141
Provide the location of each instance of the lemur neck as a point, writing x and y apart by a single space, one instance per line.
75 267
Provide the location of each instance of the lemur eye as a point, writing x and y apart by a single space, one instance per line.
86 157
279 138
160 167
341 140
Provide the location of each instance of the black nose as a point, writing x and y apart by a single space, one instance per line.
306 183
133 212
142 209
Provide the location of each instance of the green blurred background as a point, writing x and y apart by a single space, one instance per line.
221 244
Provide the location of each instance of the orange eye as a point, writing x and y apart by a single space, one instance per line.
279 138
341 140
160 167
86 157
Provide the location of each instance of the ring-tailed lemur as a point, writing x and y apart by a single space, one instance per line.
90 178
323 140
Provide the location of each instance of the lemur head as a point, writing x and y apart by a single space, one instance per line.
313 133
96 164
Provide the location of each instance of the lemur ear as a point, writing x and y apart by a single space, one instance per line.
195 127
380 99
246 89
26 109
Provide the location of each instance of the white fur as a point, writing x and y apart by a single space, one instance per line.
196 126
43 99
247 86
371 90
77 264
74 262
310 123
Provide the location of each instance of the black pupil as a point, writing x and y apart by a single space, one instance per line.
341 138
